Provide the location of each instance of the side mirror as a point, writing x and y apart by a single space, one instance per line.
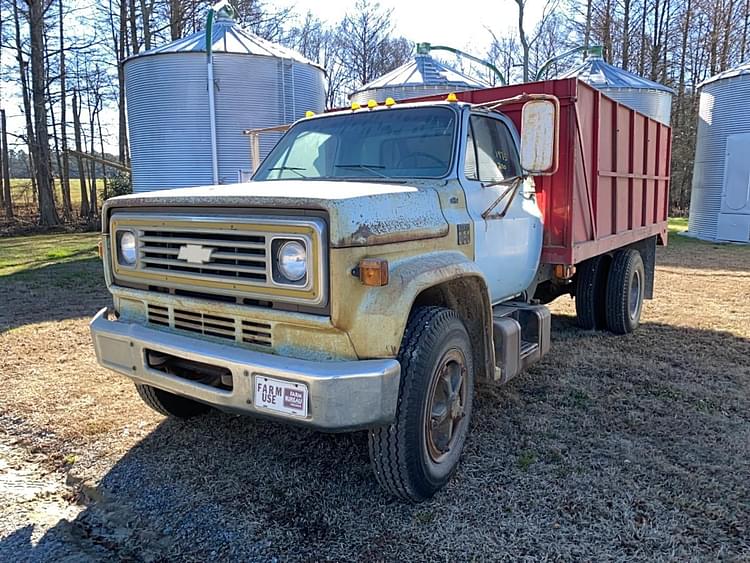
540 126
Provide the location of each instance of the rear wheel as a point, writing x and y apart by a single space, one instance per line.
625 287
415 456
591 288
169 404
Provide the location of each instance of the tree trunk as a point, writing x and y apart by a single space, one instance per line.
47 212
101 148
524 40
85 208
626 34
683 56
745 26
133 26
607 32
727 29
55 137
122 129
146 18
53 123
4 156
93 197
23 74
587 33
175 19
642 54
65 169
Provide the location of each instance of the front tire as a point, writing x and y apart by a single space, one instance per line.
417 454
625 288
169 404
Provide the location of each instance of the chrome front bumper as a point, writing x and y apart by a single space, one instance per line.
345 395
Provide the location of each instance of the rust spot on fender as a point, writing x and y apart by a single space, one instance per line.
362 233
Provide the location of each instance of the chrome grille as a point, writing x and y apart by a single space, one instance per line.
233 256
223 255
230 328
256 333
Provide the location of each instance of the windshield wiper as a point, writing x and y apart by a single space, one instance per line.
295 169
368 167
511 189
509 180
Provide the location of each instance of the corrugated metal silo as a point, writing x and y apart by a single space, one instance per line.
648 97
422 76
256 84
720 198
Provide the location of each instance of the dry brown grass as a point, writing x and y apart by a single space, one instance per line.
618 448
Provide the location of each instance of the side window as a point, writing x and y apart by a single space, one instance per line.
496 155
470 164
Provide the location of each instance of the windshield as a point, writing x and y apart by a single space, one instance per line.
385 143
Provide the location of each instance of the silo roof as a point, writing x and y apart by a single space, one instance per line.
731 73
228 37
600 74
423 70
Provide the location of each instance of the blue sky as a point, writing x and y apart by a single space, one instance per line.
458 23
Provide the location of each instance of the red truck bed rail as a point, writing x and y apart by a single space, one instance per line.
612 184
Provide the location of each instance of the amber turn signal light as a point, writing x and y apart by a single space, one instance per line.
373 271
564 271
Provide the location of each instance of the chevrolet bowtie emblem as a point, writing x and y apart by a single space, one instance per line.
195 254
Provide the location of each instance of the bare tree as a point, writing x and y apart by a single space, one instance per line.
85 208
365 38
47 212
24 83
5 159
65 168
526 42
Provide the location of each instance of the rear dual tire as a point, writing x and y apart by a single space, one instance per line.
609 292
591 288
625 287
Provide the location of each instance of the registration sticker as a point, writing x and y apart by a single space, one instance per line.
280 396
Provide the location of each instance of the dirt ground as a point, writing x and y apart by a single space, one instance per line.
613 448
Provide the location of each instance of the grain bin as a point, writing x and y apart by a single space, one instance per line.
720 198
255 84
648 97
421 76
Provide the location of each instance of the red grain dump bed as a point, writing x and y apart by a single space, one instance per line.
612 184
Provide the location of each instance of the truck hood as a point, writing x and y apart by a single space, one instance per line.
360 213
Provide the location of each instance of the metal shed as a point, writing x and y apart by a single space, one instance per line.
256 84
422 76
648 97
720 198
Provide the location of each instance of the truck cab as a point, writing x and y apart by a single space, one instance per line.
381 260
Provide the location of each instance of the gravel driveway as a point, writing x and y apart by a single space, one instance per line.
613 448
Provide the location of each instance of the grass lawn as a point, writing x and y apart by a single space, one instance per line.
18 254
678 224
22 193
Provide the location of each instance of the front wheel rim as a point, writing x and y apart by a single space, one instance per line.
446 409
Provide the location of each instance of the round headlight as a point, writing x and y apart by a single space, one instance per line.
292 260
128 251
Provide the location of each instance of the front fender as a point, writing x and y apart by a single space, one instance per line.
378 323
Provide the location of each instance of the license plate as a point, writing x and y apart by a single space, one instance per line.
280 396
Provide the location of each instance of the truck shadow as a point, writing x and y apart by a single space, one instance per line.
54 292
607 432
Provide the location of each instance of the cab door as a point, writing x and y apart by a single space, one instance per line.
501 203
